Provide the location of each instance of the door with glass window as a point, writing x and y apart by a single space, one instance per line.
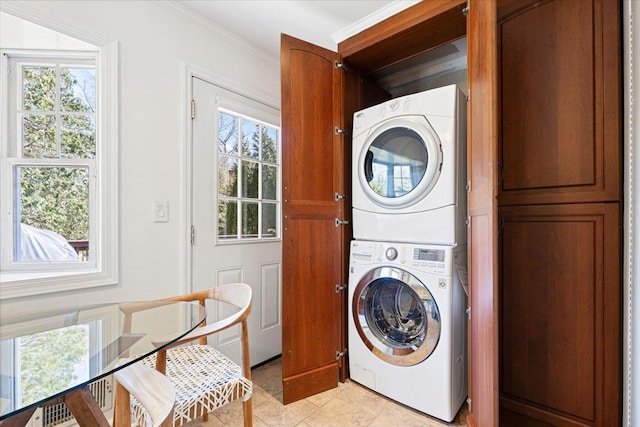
235 210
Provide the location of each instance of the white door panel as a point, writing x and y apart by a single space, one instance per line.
257 263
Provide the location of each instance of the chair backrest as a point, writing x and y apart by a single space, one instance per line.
237 294
153 390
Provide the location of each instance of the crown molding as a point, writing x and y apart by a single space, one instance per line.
187 14
370 20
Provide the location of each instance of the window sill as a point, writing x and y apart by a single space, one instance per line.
22 284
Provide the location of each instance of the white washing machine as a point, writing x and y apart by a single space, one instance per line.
409 169
407 321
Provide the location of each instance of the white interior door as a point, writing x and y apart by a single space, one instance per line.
236 210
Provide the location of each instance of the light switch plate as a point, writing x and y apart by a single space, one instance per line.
160 211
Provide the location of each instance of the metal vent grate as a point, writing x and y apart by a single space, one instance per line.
59 415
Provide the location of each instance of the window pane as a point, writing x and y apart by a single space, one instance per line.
269 220
38 88
269 182
227 134
250 139
39 136
52 208
78 89
73 342
269 144
249 220
250 180
78 137
227 219
227 176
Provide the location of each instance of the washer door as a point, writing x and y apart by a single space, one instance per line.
396 316
400 162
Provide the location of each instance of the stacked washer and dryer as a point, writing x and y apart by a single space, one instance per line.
407 275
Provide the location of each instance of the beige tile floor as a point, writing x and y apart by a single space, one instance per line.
347 405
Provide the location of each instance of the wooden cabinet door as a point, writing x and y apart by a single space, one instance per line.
560 323
561 105
314 252
482 126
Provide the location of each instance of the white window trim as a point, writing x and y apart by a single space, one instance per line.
17 284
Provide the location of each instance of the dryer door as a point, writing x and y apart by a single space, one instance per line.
396 316
400 161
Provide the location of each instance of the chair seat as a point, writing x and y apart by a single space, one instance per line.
204 380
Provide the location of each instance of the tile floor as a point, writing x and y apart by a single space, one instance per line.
347 405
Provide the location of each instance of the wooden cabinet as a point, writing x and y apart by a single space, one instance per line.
560 311
560 152
315 253
560 102
544 79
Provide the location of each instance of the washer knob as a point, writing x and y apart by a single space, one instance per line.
391 253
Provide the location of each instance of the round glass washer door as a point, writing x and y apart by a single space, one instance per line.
396 316
400 162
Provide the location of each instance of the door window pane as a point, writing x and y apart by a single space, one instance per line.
269 220
250 180
249 220
227 219
227 176
250 139
227 133
269 182
269 144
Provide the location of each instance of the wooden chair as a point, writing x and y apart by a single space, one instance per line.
151 393
203 377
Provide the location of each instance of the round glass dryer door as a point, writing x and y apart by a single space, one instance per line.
400 162
396 316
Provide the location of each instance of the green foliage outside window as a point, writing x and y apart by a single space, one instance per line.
58 122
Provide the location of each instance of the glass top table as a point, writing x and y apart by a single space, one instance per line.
47 356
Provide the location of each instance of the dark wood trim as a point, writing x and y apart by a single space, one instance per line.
415 30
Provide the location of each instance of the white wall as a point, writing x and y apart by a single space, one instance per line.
155 46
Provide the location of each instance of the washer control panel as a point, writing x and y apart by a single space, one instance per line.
428 258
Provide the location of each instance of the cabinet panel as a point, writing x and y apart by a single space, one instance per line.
559 94
313 259
560 300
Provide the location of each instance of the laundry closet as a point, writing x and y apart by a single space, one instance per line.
544 177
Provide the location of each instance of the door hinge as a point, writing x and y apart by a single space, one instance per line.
469 403
465 10
339 131
340 288
340 354
193 109
468 311
338 196
468 186
193 234
340 222
340 65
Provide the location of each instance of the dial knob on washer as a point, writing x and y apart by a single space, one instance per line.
391 253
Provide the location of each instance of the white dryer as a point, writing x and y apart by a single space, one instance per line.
406 328
409 169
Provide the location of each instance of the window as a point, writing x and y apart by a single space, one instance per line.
58 170
50 168
248 178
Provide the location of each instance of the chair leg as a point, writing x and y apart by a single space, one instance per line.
247 412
